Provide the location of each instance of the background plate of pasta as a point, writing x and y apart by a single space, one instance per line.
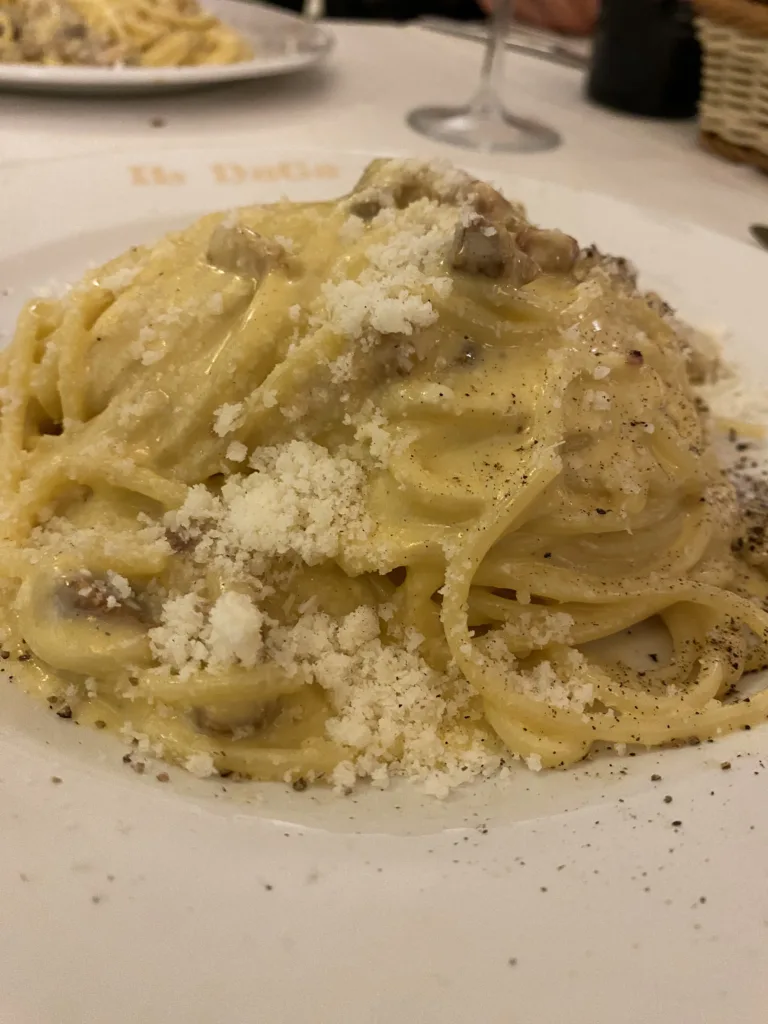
382 596
122 46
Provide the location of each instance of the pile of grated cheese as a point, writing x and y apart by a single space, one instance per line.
562 686
393 293
298 499
396 715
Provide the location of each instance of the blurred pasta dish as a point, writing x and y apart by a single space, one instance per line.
107 33
364 488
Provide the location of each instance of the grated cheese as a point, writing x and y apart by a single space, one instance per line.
120 279
120 585
201 765
298 500
237 452
565 685
235 631
397 714
352 229
176 642
556 628
227 418
392 294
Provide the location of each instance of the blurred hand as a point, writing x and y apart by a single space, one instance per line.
576 17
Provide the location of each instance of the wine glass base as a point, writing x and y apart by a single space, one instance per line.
500 132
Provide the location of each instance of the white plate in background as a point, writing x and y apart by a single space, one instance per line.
555 897
283 43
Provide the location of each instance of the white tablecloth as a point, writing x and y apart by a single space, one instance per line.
359 101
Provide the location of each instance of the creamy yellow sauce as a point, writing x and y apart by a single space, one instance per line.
343 489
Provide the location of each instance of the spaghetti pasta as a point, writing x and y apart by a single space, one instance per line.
141 33
372 487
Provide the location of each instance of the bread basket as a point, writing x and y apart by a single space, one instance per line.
733 112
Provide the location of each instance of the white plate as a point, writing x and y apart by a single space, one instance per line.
565 897
282 42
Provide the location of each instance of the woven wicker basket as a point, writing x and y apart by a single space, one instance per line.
733 113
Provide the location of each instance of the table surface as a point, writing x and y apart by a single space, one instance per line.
359 100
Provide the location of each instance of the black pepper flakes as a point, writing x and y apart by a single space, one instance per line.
299 784
65 711
667 799
655 777
725 766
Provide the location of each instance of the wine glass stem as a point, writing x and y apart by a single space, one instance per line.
313 10
486 103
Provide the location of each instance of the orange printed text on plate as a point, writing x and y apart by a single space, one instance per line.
154 174
287 170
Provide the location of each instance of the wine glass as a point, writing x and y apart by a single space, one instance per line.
484 124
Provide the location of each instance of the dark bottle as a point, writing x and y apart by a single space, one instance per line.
646 59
